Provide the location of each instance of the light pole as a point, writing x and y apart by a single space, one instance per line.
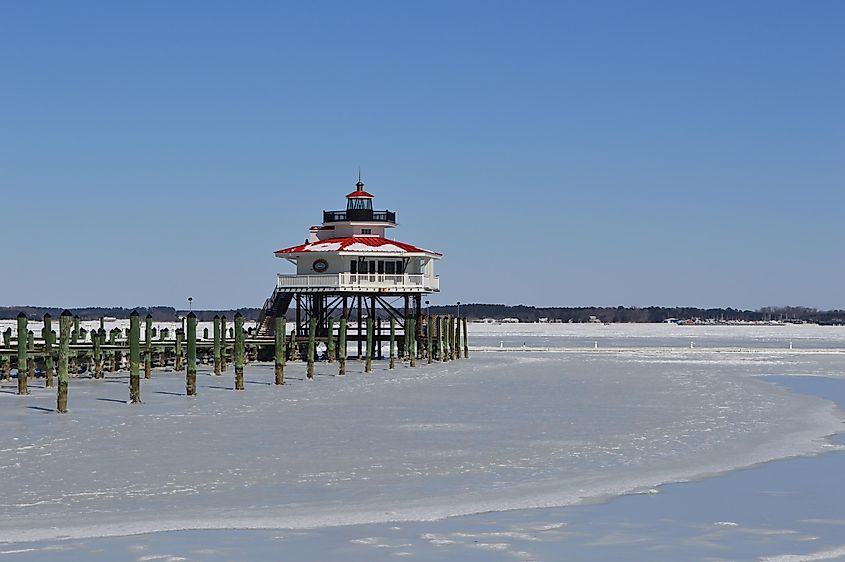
459 309
190 301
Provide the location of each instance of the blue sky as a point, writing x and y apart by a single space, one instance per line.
562 154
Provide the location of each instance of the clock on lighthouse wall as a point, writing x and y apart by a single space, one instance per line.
320 266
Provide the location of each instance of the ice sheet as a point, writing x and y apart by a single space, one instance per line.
493 433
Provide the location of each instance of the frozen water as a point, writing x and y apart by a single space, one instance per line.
497 432
802 336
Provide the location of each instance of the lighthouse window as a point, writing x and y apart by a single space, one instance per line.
359 203
390 267
366 231
353 267
400 269
372 267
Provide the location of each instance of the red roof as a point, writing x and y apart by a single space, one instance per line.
360 193
356 244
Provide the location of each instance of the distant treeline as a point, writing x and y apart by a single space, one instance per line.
636 314
479 311
159 313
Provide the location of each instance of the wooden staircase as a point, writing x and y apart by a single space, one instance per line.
276 305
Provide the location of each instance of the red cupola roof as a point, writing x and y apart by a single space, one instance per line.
359 190
360 193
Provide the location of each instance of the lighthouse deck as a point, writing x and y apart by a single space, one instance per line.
359 283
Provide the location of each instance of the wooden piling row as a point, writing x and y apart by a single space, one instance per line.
442 339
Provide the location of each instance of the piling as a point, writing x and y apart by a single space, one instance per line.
7 343
458 337
441 338
330 351
217 361
368 366
134 358
191 376
406 330
280 350
223 343
30 347
428 339
435 326
466 340
116 356
91 368
444 338
48 351
447 338
341 347
392 342
5 360
450 337
22 341
312 347
98 337
412 341
64 349
178 365
293 349
74 355
148 346
239 351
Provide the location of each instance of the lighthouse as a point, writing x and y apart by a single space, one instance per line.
350 268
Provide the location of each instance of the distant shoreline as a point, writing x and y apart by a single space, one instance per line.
495 312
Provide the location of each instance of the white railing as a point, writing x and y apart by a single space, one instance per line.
359 282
